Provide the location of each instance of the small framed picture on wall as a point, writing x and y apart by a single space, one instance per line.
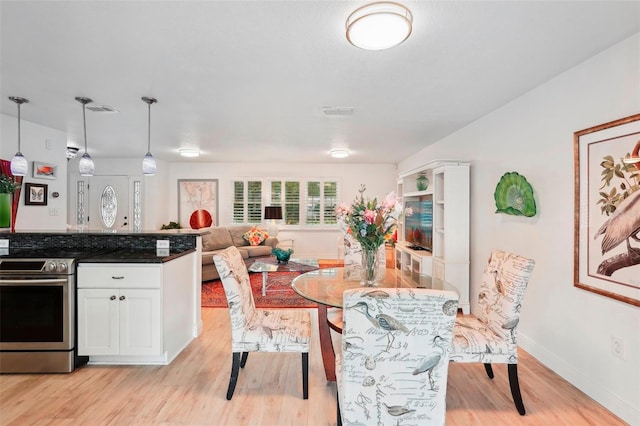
35 194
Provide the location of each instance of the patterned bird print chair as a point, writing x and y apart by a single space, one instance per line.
395 356
491 335
259 330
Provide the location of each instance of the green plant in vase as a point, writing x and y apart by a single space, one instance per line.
8 186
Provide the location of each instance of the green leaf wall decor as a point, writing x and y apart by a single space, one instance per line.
514 195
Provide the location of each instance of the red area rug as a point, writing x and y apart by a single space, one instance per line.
279 294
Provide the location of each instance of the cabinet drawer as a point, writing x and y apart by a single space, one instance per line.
118 276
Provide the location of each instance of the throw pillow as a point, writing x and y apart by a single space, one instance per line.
255 236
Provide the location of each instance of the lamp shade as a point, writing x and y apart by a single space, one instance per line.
273 212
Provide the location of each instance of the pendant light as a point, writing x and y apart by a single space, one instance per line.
86 166
19 165
149 163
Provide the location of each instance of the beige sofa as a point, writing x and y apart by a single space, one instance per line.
221 237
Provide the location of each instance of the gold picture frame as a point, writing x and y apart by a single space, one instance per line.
607 209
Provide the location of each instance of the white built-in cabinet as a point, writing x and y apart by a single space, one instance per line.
135 313
449 259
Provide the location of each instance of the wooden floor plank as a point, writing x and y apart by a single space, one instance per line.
191 391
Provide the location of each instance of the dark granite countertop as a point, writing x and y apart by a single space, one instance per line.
158 233
133 255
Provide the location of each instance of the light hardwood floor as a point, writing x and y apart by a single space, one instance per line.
191 391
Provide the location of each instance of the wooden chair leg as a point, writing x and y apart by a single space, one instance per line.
305 375
489 370
235 368
243 361
515 388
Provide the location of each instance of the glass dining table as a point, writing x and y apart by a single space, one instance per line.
325 287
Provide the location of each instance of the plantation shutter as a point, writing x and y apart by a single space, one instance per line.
238 202
254 202
292 203
276 193
313 203
330 203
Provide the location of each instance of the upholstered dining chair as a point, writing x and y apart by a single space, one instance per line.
491 336
259 330
394 357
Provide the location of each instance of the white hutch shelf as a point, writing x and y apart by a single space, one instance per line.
449 260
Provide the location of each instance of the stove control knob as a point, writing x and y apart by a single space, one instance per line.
51 267
62 267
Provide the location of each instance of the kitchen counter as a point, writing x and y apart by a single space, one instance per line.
133 255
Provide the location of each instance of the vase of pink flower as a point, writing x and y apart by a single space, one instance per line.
371 224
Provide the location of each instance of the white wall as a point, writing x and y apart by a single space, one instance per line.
38 143
378 178
566 328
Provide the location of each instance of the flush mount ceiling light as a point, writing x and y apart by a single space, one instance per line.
149 163
19 165
379 26
339 153
86 166
189 152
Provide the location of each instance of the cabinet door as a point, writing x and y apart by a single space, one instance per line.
98 322
140 322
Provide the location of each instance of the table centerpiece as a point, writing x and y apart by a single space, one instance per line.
371 224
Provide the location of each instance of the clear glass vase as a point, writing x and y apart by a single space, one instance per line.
369 266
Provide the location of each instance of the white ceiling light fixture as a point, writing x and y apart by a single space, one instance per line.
339 153
19 164
86 166
189 152
379 26
149 167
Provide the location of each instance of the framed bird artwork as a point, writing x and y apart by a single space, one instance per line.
607 209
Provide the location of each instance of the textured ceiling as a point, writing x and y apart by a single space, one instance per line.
247 80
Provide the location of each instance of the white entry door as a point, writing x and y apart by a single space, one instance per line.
108 203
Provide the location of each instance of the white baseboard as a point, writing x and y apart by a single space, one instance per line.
585 383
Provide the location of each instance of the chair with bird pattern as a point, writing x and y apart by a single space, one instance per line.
491 335
259 330
393 363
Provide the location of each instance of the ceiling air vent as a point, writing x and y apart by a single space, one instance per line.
102 108
337 111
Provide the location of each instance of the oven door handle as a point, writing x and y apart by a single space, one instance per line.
23 282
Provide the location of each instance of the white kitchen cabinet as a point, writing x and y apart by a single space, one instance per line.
448 193
119 322
136 313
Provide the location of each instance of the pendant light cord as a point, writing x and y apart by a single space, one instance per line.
84 121
149 130
18 127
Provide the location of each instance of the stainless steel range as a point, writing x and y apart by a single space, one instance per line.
38 312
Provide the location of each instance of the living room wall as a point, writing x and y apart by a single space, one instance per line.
566 328
378 178
38 143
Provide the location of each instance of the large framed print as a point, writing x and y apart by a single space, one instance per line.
607 209
197 203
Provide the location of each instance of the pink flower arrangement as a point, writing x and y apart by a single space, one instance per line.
370 223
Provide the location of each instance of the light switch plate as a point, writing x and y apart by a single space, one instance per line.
162 244
163 252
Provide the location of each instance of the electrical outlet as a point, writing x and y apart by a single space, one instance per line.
617 347
162 244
